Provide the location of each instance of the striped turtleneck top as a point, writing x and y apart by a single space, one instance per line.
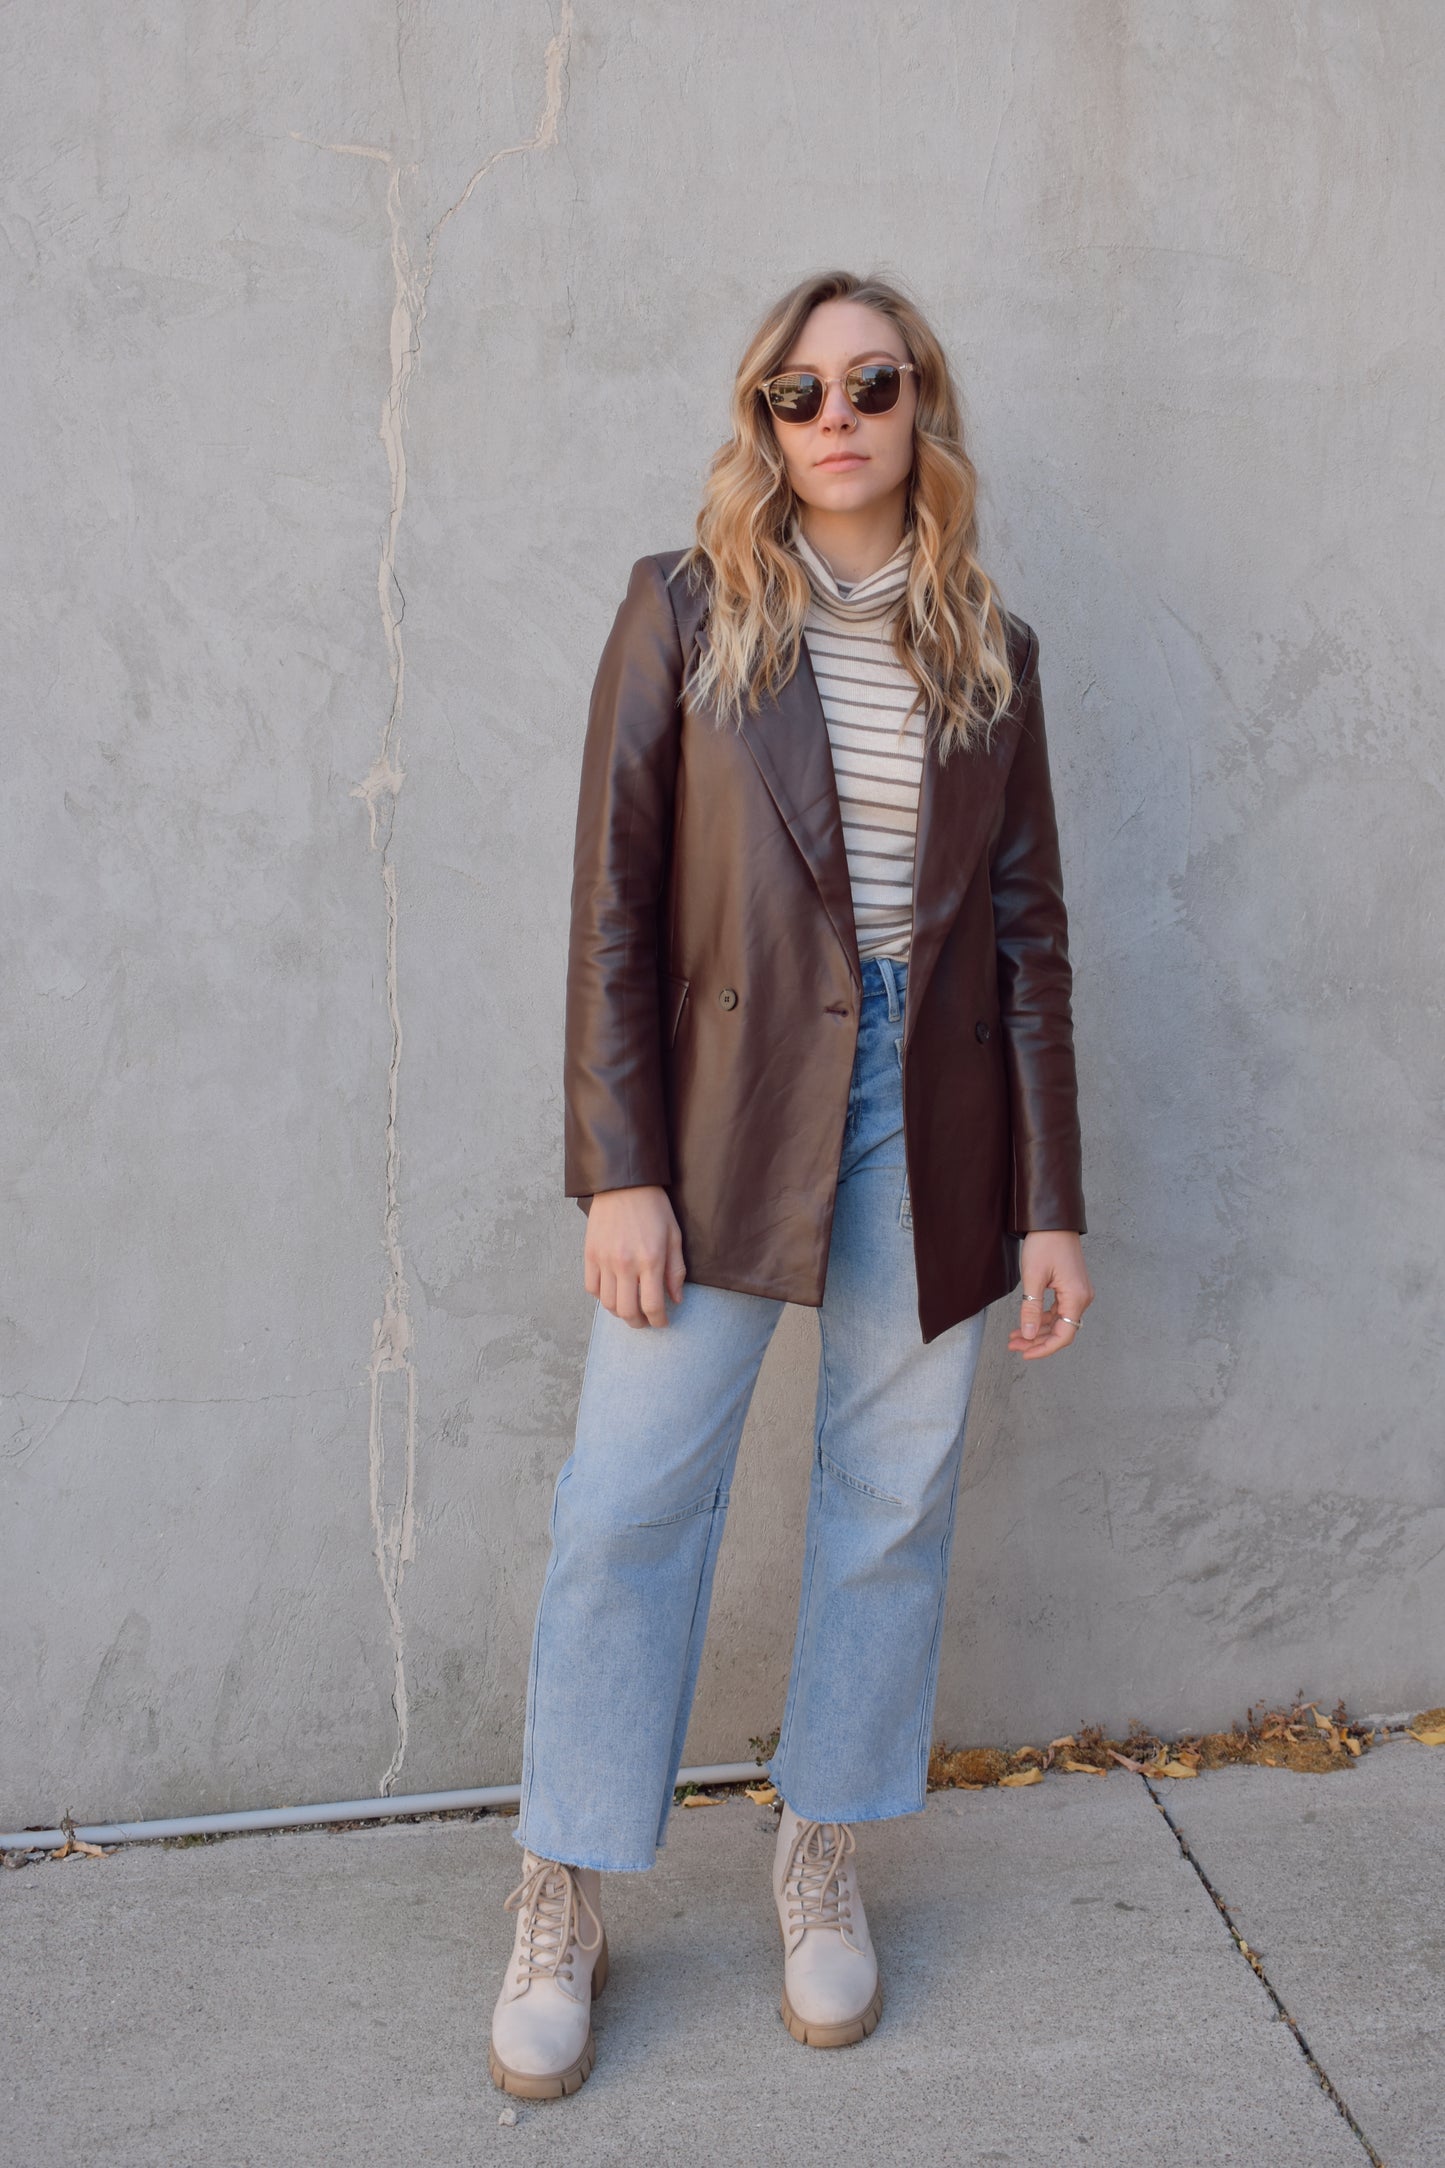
877 744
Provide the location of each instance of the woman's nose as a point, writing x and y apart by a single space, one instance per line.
837 408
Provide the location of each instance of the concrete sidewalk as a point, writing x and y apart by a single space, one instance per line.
1061 1986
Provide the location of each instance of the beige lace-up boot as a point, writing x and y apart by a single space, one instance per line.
542 2045
832 1995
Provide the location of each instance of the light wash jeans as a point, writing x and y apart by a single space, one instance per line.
637 1518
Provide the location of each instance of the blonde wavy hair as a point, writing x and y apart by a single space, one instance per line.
948 631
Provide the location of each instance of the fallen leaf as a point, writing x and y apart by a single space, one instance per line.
1177 1769
700 1799
1024 1776
765 1795
1429 1734
1082 1768
74 1847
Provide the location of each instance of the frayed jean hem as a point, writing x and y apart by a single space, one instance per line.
573 1859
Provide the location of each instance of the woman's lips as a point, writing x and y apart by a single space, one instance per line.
843 459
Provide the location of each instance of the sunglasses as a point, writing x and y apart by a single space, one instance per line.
872 388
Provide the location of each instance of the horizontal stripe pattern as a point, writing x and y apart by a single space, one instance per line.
877 743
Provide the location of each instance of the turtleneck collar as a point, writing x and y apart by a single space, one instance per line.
875 596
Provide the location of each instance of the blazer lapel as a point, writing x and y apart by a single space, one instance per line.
788 738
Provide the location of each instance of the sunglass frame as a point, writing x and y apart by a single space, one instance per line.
782 376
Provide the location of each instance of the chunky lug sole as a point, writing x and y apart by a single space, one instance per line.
553 2084
843 2033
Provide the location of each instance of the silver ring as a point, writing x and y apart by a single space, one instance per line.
1033 1298
1060 1319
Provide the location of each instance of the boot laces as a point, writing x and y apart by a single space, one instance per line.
550 1901
818 1894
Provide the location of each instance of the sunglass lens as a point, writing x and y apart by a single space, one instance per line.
796 398
874 388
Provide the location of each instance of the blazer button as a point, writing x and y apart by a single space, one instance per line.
980 1029
728 998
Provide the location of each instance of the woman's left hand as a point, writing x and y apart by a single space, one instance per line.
1050 1258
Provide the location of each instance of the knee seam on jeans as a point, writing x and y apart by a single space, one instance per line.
716 1501
855 1482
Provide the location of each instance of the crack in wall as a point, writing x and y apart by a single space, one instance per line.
392 1488
22 1444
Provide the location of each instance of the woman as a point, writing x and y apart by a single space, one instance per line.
818 1050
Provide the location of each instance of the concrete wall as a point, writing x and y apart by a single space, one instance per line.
354 354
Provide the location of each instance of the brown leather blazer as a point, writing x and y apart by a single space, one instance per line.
713 980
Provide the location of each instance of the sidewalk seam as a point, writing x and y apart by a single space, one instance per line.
1255 1964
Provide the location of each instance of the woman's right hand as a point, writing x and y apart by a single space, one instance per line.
632 1256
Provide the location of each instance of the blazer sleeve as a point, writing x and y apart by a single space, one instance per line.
615 1122
1031 929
